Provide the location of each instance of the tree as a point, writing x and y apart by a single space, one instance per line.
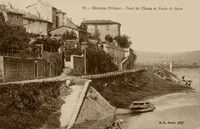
13 37
82 27
95 35
50 45
2 18
69 35
98 61
123 41
109 38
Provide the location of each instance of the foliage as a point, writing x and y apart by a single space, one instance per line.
109 38
95 35
69 35
121 90
82 27
30 105
13 37
98 61
123 41
50 45
2 18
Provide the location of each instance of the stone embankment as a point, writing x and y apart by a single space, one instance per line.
54 103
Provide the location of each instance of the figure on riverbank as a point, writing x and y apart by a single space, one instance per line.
186 80
116 124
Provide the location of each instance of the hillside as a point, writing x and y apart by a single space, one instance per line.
179 58
120 91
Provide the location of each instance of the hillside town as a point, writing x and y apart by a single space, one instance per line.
57 74
55 44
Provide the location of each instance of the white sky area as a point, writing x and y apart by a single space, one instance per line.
159 31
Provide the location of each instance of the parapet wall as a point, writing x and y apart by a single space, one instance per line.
95 113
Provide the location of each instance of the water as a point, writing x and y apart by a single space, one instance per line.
174 111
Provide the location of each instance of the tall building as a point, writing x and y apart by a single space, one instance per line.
105 27
54 17
61 18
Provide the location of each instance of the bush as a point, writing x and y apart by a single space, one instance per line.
30 105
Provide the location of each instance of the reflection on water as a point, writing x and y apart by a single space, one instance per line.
175 111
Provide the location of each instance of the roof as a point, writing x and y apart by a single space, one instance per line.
70 23
11 10
34 17
24 13
70 28
100 22
60 11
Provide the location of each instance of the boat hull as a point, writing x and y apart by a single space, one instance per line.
150 109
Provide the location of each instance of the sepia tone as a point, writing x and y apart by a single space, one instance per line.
90 64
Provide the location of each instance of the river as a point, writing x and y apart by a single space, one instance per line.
174 111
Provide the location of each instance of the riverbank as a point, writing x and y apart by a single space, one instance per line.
121 91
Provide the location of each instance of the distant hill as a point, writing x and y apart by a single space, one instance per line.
179 58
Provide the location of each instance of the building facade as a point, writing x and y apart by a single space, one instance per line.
61 18
35 25
54 17
11 15
105 27
117 53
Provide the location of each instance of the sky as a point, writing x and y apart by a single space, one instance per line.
149 30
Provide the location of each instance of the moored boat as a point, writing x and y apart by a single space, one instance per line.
142 106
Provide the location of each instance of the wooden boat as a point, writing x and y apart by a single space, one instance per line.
142 106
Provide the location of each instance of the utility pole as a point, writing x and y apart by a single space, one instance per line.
85 58
85 61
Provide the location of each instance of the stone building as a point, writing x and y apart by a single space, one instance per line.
117 53
35 25
60 18
54 18
105 27
12 15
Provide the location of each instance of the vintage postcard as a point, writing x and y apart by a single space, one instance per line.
99 64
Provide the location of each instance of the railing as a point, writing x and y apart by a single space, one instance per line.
111 73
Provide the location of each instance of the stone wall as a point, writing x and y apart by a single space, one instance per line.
95 113
16 69
54 65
